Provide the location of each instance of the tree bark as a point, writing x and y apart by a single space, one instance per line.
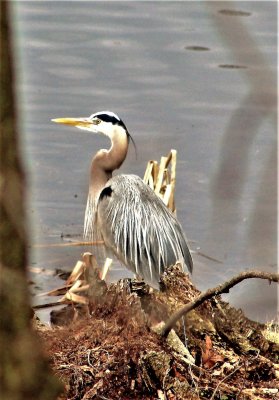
25 373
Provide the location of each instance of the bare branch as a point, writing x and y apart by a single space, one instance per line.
208 294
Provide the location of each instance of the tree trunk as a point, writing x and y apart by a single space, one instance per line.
25 373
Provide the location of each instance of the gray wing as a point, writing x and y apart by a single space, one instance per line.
140 229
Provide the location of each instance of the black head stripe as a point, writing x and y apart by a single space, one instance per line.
112 119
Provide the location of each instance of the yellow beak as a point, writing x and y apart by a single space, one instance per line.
82 122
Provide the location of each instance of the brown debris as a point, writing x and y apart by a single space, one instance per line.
112 347
209 356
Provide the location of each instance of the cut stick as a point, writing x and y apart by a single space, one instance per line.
106 268
76 273
160 175
167 195
76 285
161 178
148 172
151 174
155 170
172 180
75 298
81 288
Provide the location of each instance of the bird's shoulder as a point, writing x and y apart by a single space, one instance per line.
129 187
123 190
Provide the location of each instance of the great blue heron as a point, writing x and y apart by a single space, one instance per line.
130 218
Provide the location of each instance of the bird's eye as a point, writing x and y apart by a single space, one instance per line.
96 121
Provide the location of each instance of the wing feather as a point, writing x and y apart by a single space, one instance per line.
140 229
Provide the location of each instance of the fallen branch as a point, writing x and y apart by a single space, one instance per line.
208 294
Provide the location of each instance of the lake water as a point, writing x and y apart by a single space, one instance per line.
199 77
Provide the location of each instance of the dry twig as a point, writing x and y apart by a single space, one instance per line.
208 294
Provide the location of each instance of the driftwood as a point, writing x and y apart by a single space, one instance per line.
208 294
113 347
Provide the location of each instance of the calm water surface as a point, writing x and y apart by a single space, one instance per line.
199 77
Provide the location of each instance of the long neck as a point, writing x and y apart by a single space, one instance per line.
106 161
102 166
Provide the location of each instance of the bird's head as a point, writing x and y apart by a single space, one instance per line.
105 122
